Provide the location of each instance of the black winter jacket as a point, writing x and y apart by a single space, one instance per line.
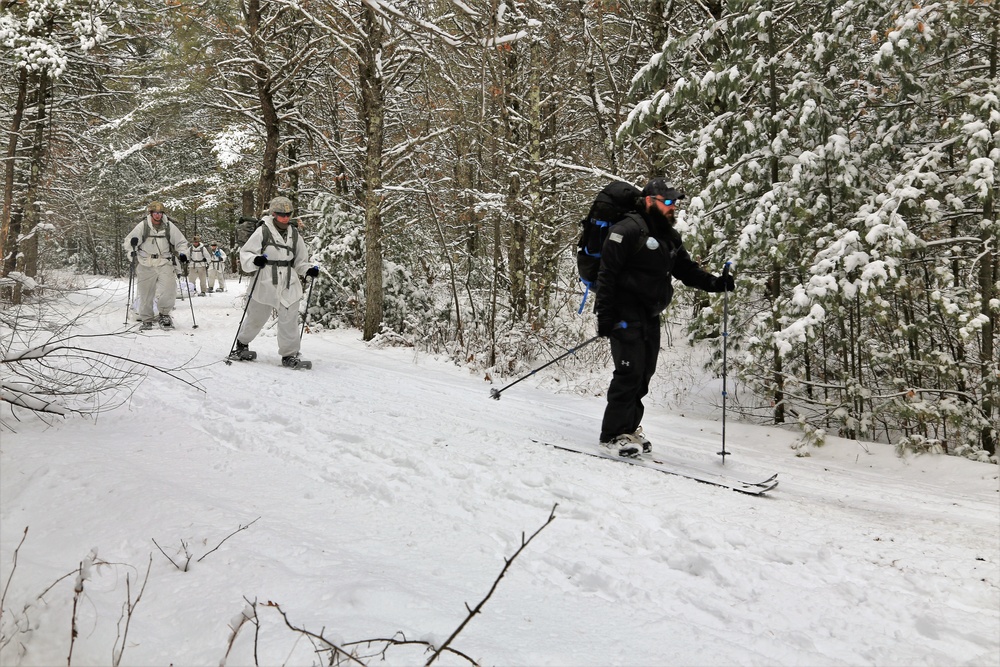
634 282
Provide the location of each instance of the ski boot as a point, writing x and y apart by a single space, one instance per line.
295 362
242 352
624 445
641 438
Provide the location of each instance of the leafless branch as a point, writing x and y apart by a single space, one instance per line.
129 607
337 650
182 569
507 564
228 536
12 568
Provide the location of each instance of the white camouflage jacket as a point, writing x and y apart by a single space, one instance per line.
276 283
155 250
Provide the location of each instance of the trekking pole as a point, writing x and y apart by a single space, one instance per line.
495 393
232 348
131 278
306 313
725 346
190 300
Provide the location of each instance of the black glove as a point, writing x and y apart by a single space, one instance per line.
260 260
724 283
134 241
312 271
183 258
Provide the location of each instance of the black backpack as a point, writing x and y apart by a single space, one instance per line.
613 203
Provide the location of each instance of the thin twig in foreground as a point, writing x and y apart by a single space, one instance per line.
320 637
13 567
228 536
507 563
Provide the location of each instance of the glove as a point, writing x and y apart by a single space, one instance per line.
260 260
724 283
183 258
312 271
134 241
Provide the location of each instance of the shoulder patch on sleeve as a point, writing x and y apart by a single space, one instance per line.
615 236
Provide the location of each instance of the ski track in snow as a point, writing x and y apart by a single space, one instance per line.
390 489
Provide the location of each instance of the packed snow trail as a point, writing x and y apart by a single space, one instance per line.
390 489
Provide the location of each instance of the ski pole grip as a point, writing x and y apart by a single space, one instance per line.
134 241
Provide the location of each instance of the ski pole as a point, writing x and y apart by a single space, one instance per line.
725 346
190 300
306 313
131 278
249 295
495 393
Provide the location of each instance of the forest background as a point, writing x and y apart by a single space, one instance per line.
842 155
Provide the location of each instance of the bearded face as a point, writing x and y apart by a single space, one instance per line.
661 213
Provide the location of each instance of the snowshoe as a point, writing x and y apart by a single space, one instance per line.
145 326
166 322
242 352
296 362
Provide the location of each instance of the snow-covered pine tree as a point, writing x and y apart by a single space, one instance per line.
850 173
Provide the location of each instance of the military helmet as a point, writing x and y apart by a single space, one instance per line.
281 205
155 207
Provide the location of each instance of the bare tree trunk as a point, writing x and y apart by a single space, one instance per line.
27 256
373 111
517 256
268 109
989 268
6 258
776 274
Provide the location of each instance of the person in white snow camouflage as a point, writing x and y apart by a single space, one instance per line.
216 269
155 242
198 258
276 251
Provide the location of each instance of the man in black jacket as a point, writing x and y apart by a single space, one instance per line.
642 254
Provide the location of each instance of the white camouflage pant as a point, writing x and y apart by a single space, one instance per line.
288 325
216 275
157 282
199 276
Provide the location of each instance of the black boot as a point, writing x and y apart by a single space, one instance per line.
242 352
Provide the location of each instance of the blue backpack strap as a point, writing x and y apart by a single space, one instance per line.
586 291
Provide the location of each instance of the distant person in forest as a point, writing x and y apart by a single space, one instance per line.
216 268
642 254
199 259
276 252
155 242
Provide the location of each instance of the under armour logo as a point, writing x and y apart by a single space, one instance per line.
625 362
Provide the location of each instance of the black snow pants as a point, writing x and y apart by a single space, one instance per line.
635 350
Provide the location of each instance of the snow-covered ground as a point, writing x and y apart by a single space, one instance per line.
381 492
